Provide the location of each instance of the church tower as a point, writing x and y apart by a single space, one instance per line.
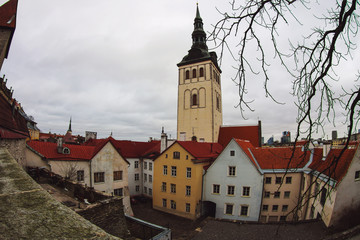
199 91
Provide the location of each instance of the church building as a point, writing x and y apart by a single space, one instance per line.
199 91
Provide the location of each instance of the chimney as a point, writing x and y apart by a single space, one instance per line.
326 150
60 145
163 145
194 138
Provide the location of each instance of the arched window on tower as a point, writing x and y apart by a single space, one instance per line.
194 100
194 73
187 74
201 73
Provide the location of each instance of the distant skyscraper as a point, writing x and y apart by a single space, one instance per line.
286 137
334 135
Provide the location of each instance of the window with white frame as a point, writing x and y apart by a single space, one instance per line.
244 210
118 192
145 165
232 153
246 192
164 202
230 190
145 177
232 171
173 188
187 207
150 166
99 177
163 187
173 171
150 178
150 191
136 164
176 155
216 189
137 177
173 204
137 188
165 170
229 207
188 172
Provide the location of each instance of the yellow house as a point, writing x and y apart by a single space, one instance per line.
177 187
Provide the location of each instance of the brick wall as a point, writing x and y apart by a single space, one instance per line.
16 148
108 215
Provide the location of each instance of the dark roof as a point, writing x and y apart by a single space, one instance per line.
8 19
251 133
202 150
12 123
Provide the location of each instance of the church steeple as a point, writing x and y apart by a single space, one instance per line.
199 49
69 130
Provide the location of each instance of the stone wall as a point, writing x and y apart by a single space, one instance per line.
16 148
108 215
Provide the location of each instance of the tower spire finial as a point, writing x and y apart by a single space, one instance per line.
69 130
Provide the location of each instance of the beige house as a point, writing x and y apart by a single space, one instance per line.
100 166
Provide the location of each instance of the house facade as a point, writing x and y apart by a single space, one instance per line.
178 177
234 184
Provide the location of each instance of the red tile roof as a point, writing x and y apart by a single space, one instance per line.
251 133
131 149
332 166
8 14
12 123
202 150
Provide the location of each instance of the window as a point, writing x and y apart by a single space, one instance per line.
246 191
150 166
150 191
80 175
173 204
187 157
166 156
118 192
118 175
217 103
163 187
176 155
201 72
231 190
232 153
188 190
145 165
244 210
164 202
229 209
265 208
165 170
278 180
187 74
323 196
136 164
188 172
357 175
99 177
232 171
173 188
145 177
137 188
194 73
136 177
268 180
150 178
288 180
285 208
187 207
282 218
194 101
173 171
145 190
273 218
287 194
275 208
266 194
216 188
277 194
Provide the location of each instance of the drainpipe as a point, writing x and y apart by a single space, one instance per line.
91 185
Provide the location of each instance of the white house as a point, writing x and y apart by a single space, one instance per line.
234 183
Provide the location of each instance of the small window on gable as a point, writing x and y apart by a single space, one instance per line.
66 150
176 155
201 73
187 74
194 73
232 153
194 99
357 175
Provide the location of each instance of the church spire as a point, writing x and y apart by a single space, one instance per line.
69 130
199 35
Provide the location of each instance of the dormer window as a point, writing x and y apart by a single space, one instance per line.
66 150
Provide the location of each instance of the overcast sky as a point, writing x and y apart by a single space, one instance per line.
111 66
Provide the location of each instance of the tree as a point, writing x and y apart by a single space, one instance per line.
312 62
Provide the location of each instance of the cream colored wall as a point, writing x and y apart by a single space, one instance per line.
34 160
292 201
61 167
204 120
109 160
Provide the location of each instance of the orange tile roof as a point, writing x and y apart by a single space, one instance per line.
332 166
251 133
